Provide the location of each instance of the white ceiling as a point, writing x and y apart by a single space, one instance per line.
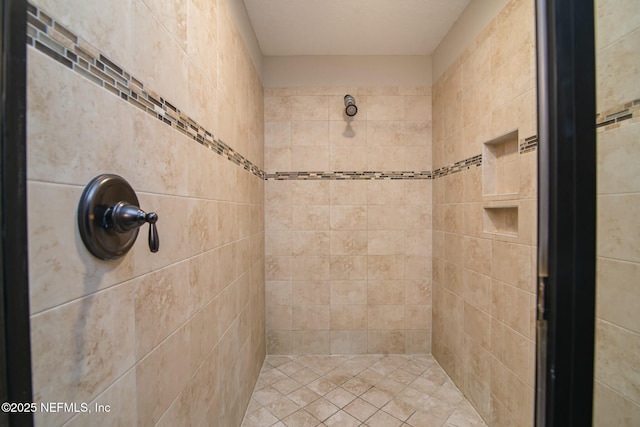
352 27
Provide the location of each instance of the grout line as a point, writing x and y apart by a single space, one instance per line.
617 325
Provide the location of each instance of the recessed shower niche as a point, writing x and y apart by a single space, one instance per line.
501 220
500 173
500 185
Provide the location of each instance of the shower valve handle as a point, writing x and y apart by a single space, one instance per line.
123 217
154 239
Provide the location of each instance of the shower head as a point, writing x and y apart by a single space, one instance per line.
350 103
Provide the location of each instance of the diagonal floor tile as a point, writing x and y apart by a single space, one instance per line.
287 386
303 396
301 418
382 419
399 409
339 397
342 419
360 409
282 407
357 390
377 397
321 409
259 418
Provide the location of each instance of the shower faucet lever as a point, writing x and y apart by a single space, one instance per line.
154 240
124 217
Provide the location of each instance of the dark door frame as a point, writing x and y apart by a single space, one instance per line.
566 115
13 210
566 212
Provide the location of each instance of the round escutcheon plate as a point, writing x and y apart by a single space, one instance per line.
103 192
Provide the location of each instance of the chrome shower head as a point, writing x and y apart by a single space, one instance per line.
350 103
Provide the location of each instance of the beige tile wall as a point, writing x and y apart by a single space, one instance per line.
348 263
177 337
484 282
617 385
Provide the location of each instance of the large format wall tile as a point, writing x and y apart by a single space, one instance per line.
617 67
617 295
618 153
614 20
173 17
80 348
610 407
617 353
161 375
619 226
58 123
103 25
155 293
51 250
168 76
118 404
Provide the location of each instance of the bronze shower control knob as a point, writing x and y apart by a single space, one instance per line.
109 218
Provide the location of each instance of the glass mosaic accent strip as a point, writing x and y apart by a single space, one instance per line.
458 166
54 40
529 144
525 146
349 175
619 116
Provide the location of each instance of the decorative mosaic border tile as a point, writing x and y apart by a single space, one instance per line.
348 175
525 146
616 117
458 166
54 40
529 144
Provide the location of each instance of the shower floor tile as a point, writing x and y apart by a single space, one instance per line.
357 390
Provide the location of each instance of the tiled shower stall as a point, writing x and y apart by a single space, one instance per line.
411 228
288 229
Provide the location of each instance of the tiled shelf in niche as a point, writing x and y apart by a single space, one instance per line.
501 220
500 172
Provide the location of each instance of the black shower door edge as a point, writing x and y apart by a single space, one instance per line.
566 212
13 212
